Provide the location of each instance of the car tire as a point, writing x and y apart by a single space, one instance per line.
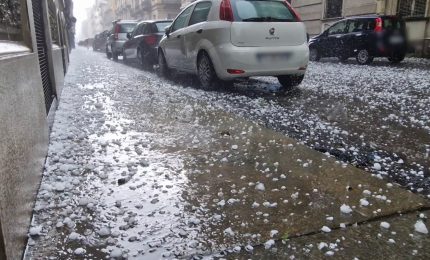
108 54
206 72
115 56
290 81
124 57
314 55
364 57
164 69
395 59
143 62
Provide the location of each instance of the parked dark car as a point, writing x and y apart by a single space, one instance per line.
363 37
100 41
118 36
142 45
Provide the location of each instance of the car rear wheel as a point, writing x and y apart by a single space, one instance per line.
163 67
206 72
364 57
314 55
290 81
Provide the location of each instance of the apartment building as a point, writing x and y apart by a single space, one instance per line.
146 9
35 40
320 14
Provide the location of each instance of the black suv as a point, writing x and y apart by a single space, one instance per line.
363 37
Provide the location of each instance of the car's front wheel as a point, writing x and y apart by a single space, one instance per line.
290 81
206 72
114 54
124 57
163 67
144 63
108 54
364 57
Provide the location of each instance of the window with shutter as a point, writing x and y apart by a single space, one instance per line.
333 8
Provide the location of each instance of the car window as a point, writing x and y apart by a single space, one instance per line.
200 13
261 11
392 23
356 26
146 29
127 27
337 28
137 30
181 20
160 27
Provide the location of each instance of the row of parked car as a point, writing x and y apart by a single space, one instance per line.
222 40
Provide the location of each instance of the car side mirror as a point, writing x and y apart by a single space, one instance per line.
128 35
167 31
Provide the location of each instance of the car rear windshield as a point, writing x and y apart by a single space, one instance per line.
162 25
262 11
393 23
127 27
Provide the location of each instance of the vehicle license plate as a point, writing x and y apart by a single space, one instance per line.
273 57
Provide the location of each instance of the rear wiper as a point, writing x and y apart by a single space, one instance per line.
266 19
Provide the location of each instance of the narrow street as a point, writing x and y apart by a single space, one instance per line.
145 168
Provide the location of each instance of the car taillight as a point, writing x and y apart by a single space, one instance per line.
225 11
235 71
117 31
151 40
296 14
378 26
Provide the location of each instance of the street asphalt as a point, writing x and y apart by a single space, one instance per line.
145 168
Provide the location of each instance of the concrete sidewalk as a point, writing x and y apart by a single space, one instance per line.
138 170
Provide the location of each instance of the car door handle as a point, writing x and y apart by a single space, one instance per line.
179 36
200 31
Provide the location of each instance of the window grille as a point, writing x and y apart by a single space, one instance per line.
53 22
42 52
333 8
412 8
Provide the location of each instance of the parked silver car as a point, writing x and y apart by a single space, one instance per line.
118 37
229 39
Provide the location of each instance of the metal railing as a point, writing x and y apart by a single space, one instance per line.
412 8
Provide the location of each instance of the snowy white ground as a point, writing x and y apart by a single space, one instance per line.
145 168
363 115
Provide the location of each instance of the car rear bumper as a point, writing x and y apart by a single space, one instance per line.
117 46
259 61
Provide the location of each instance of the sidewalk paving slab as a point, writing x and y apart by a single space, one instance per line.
365 241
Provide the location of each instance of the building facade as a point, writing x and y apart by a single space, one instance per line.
110 10
34 56
320 14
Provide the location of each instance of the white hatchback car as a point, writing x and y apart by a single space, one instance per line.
221 40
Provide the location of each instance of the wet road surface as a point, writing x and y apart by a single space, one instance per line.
143 168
